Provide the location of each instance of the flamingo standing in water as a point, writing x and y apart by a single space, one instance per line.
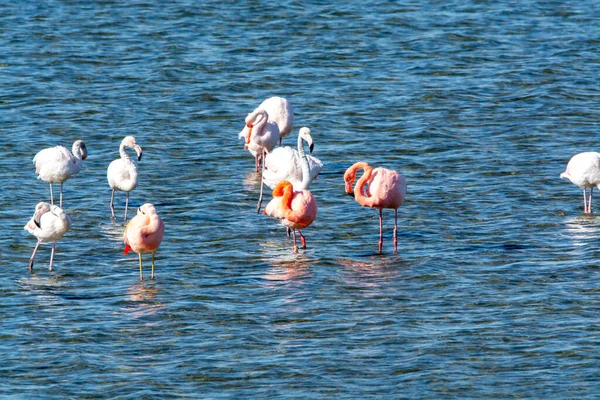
49 223
287 164
377 188
296 209
144 233
281 112
122 173
583 170
57 164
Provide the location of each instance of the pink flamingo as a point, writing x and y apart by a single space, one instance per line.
144 233
295 209
583 170
386 189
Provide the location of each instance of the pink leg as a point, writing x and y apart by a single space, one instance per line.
396 231
33 255
112 207
61 195
380 229
584 201
126 206
51 195
590 203
295 245
52 256
302 239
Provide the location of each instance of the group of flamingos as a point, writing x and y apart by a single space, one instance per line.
143 234
287 171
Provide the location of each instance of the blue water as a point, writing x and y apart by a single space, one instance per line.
493 293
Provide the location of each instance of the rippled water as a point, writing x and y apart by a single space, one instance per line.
494 290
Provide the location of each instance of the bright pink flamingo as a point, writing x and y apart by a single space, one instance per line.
144 233
377 188
295 209
583 170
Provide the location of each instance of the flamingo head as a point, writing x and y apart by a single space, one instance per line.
305 134
40 209
129 141
80 149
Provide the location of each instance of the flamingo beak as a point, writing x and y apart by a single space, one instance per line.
311 147
37 216
139 152
249 133
349 189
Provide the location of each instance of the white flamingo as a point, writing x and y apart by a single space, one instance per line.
584 171
281 112
57 164
122 173
260 134
49 223
287 164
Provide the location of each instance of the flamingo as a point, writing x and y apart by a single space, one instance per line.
49 223
583 170
287 164
261 135
296 209
57 164
386 189
281 112
122 172
144 233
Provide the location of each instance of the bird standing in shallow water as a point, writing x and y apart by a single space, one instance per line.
122 173
49 223
583 170
281 112
144 233
295 209
57 164
377 188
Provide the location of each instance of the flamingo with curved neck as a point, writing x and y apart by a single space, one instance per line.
296 209
260 134
57 164
122 173
377 188
144 233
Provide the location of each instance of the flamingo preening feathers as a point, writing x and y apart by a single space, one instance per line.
377 188
122 173
144 233
48 223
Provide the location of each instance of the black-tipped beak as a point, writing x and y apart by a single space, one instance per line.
351 194
311 147
140 157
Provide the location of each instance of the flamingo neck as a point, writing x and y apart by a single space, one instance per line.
359 189
306 178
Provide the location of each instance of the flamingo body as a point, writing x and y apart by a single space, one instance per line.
48 223
57 164
144 233
281 112
286 164
295 209
583 170
122 173
377 188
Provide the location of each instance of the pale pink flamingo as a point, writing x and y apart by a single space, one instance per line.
287 164
377 188
584 171
122 173
144 233
295 209
57 164
281 112
49 223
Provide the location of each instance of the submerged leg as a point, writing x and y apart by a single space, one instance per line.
295 245
152 277
126 206
33 255
396 231
52 256
141 275
380 229
112 206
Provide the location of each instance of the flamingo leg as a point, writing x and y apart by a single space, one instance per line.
61 195
590 203
585 210
295 245
52 256
126 206
261 183
141 275
33 255
380 229
302 239
51 195
396 231
152 277
112 206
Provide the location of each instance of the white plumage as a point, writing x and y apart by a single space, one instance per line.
584 171
281 112
57 164
122 173
48 223
260 134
